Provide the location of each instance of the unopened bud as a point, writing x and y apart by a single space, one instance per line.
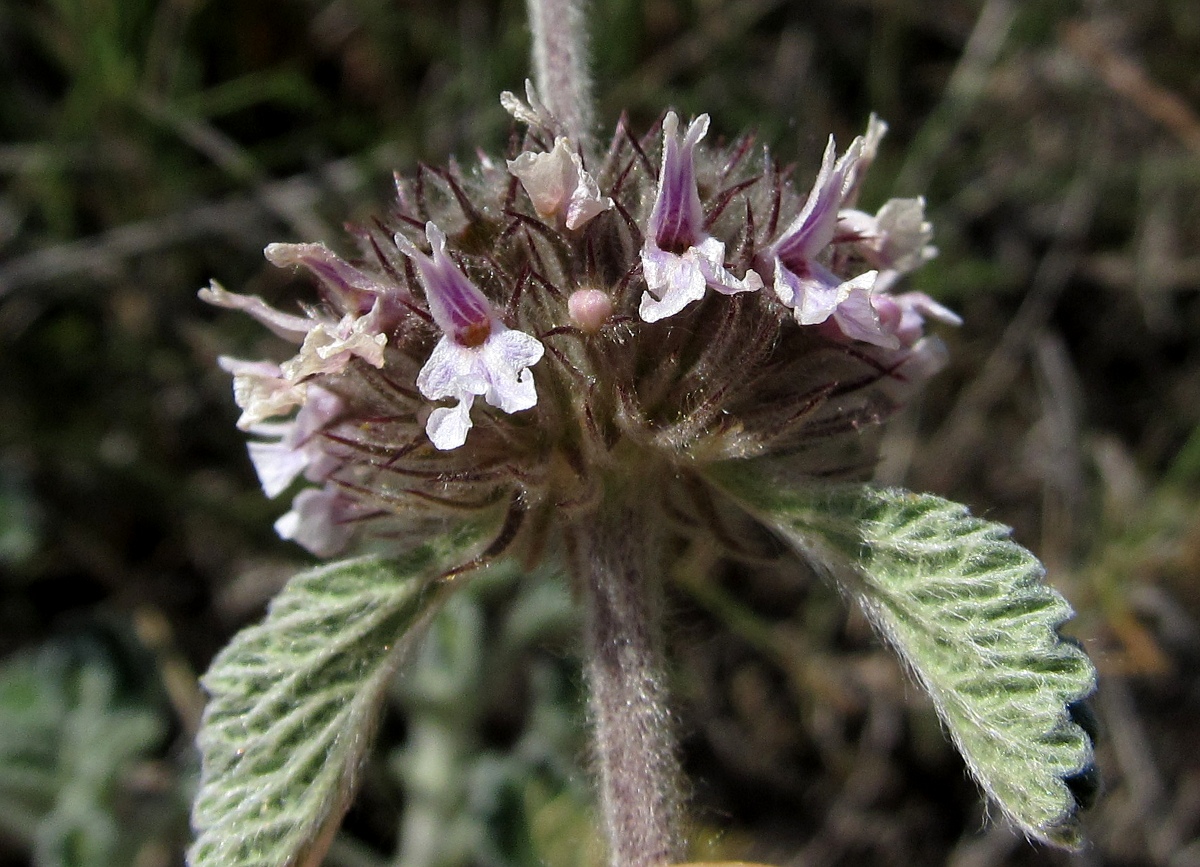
590 309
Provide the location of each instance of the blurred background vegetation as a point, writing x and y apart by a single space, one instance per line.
148 145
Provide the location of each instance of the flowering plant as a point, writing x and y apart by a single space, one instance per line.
672 341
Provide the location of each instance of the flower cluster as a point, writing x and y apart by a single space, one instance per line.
571 293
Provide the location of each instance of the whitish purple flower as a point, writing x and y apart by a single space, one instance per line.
349 288
848 304
896 238
904 315
680 259
260 390
329 346
803 282
558 185
285 325
477 355
894 241
326 346
321 520
294 447
371 310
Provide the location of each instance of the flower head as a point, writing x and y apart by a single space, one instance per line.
477 283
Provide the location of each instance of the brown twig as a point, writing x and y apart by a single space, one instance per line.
1126 78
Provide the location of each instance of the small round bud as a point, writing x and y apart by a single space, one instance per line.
590 309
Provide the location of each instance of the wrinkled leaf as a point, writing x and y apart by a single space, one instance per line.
293 703
967 609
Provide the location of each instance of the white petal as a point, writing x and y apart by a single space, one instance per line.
914 308
451 371
498 370
447 426
812 297
277 465
328 348
285 325
533 113
876 129
320 408
316 521
905 234
519 110
787 286
857 225
583 209
926 306
229 364
586 201
506 357
696 131
856 315
710 253
261 394
672 283
548 178
558 185
818 301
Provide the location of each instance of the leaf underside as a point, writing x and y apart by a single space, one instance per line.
967 610
293 703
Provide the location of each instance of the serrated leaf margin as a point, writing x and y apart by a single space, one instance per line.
931 577
272 792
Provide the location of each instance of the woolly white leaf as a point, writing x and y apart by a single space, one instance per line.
966 608
294 701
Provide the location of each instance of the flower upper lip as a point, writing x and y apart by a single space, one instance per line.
678 217
812 230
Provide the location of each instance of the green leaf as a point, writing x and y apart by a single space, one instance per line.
966 608
69 735
294 701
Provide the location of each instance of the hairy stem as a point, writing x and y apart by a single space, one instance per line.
635 747
560 63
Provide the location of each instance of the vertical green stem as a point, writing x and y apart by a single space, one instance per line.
636 753
560 63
